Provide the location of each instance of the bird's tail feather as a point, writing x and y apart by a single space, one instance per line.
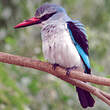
85 98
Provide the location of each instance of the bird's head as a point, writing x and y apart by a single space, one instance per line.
44 14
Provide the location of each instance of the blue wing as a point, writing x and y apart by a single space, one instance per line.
78 36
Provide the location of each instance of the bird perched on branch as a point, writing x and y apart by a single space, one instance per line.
64 42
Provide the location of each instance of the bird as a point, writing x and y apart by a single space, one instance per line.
64 42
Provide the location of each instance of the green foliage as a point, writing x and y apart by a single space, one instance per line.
33 86
11 41
97 67
10 95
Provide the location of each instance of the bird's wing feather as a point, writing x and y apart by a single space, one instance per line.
79 38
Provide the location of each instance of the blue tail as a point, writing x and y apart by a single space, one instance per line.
85 98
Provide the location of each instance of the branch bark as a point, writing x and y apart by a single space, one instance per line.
75 77
42 66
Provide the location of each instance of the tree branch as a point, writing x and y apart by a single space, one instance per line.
36 64
75 77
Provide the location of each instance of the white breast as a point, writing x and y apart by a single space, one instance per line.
58 47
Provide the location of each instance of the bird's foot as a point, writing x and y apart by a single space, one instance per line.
68 70
54 66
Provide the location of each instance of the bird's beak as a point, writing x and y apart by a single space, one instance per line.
28 22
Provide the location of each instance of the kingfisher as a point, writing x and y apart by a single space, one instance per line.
64 42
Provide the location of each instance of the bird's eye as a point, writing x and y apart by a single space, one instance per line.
47 16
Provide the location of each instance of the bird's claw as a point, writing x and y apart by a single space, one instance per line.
54 66
68 70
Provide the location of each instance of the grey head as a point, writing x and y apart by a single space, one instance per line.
49 11
46 13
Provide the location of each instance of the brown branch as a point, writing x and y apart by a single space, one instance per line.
95 91
74 78
36 64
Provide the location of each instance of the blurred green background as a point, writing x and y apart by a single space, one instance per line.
28 89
